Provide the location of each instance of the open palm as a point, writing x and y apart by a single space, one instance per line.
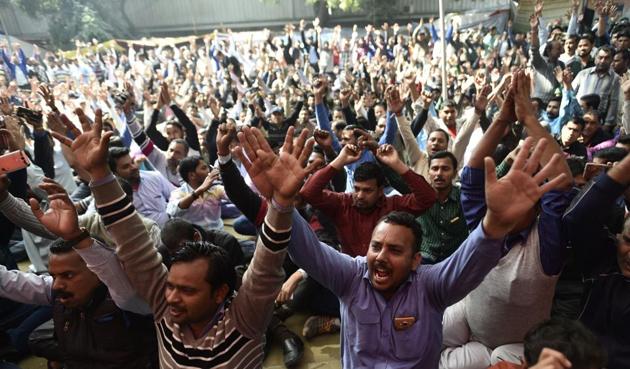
61 216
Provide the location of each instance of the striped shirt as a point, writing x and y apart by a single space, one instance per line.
443 228
235 337
607 86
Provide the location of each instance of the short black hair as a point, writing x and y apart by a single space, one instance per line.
625 54
576 165
405 219
444 154
181 141
175 123
611 154
176 230
188 165
591 100
607 49
446 135
555 98
220 267
367 171
114 154
570 337
449 104
59 247
578 120
587 36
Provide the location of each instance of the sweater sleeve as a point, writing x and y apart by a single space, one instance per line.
26 288
315 193
239 193
189 126
160 141
136 251
19 213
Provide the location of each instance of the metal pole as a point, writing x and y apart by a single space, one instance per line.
443 38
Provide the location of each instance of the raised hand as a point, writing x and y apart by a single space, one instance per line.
61 217
279 176
348 155
46 94
521 87
534 22
90 147
5 106
130 103
323 138
366 141
538 8
481 102
394 102
388 155
551 359
512 197
225 134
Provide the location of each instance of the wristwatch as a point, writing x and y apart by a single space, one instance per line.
82 236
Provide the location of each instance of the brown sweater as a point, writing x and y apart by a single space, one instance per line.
236 339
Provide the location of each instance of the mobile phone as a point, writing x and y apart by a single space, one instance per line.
13 161
593 169
29 115
119 97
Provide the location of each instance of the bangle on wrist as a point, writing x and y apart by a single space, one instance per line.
279 208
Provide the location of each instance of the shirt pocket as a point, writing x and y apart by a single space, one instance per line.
366 330
406 342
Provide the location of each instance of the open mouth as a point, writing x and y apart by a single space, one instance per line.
381 275
175 312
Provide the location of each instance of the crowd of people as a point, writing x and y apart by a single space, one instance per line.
481 226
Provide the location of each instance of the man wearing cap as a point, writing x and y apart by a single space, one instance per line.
277 126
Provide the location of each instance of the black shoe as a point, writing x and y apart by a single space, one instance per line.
292 350
283 312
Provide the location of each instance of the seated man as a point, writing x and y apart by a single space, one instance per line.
198 200
201 322
604 261
560 343
97 324
356 214
391 306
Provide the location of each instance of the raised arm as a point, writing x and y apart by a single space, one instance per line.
508 199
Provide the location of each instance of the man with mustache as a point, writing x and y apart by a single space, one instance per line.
391 306
201 321
94 327
355 214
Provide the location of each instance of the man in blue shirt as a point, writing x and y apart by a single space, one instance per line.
391 306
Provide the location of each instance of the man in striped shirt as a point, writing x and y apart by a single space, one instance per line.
200 321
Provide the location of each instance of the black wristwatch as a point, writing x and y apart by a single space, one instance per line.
75 241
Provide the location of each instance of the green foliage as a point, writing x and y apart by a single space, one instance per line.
343 5
69 20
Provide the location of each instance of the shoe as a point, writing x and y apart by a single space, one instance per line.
292 350
317 325
283 312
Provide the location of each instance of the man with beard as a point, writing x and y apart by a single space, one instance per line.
151 191
544 66
98 323
583 53
356 214
391 306
603 81
443 225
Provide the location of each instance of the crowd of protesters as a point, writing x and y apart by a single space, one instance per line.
481 226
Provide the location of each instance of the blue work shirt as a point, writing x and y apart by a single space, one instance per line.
369 338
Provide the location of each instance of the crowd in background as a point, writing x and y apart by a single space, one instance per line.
325 147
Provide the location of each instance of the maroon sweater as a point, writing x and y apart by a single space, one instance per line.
355 226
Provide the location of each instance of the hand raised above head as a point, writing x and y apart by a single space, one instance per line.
61 216
512 197
90 147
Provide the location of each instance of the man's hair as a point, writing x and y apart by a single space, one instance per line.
444 154
569 337
611 154
220 267
114 154
175 123
572 37
405 219
607 49
188 165
555 98
176 230
369 170
181 141
578 120
625 54
446 135
591 100
587 36
449 104
576 165
59 247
